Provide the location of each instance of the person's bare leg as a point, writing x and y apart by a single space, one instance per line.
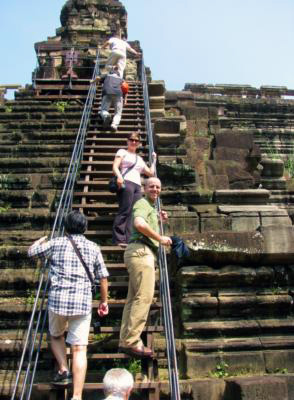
79 369
58 348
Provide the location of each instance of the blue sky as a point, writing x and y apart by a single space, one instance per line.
212 41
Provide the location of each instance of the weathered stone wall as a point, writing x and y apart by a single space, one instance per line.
233 295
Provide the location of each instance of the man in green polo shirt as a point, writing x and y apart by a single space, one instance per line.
140 257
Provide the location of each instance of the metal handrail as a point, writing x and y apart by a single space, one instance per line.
64 206
164 281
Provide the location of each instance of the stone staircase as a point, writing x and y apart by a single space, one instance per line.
36 141
29 195
235 300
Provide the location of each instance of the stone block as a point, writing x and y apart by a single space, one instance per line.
279 361
207 389
254 305
274 183
176 174
256 388
180 224
186 104
172 96
246 196
168 125
197 276
236 276
196 113
157 113
202 127
244 222
279 217
202 145
230 276
237 306
237 176
156 88
272 168
195 307
278 242
227 153
227 209
235 140
186 197
217 182
200 365
179 95
168 139
244 362
157 102
290 383
224 247
216 222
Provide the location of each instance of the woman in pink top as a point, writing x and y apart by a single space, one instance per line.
129 186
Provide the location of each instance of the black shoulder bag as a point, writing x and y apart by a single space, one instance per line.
112 185
78 253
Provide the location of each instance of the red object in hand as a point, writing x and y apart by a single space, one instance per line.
125 87
102 309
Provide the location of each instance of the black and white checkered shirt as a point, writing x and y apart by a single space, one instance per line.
70 290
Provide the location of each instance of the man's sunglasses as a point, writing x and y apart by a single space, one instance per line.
134 140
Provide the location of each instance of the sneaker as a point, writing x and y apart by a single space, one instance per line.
106 121
62 379
113 128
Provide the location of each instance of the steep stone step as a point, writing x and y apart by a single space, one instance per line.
19 165
30 125
239 327
37 137
21 219
242 343
49 151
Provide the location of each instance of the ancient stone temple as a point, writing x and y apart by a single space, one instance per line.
226 159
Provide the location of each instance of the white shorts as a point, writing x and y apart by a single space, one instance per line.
78 327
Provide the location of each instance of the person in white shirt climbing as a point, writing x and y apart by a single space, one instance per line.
118 55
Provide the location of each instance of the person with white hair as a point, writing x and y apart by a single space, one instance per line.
118 384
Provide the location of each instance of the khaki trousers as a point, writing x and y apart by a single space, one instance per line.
140 262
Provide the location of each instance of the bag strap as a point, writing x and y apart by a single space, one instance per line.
131 167
78 253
